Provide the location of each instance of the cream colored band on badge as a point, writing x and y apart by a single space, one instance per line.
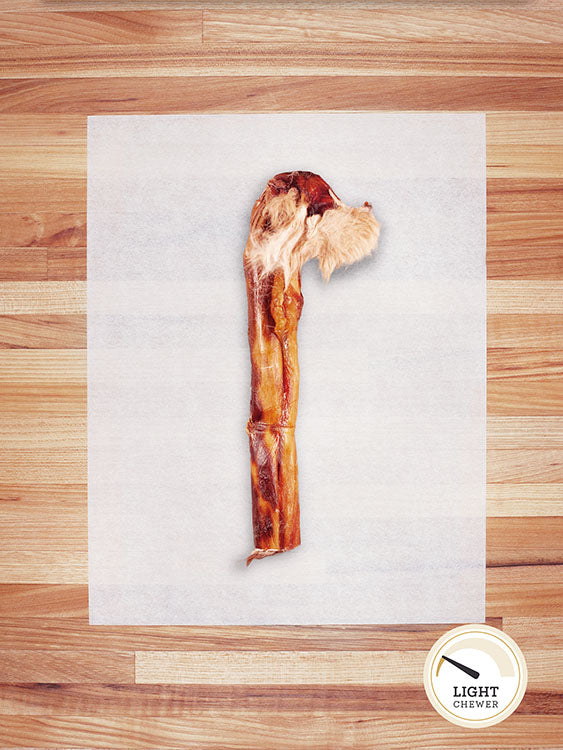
475 676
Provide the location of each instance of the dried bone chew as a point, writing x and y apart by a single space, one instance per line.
298 217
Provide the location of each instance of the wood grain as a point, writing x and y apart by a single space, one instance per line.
519 599
251 6
523 261
273 730
523 574
510 195
535 632
146 95
176 700
69 684
505 500
524 297
524 128
524 432
526 161
42 230
53 298
182 58
42 331
524 541
75 634
321 667
126 27
507 331
522 231
67 666
38 600
384 23
278 668
55 433
42 195
530 398
29 699
44 465
46 367
29 263
526 364
66 400
48 566
524 466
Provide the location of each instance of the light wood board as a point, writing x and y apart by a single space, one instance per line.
64 683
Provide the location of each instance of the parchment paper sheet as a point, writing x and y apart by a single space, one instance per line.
391 426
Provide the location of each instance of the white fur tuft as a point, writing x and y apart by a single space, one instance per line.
282 236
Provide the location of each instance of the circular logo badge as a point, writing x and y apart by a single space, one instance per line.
475 676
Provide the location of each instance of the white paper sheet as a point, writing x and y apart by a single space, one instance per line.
391 426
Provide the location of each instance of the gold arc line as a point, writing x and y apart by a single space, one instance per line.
462 718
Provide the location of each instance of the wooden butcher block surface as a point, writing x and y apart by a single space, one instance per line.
64 683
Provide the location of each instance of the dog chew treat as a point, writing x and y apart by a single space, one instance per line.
297 217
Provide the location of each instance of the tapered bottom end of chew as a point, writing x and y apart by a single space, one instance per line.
258 554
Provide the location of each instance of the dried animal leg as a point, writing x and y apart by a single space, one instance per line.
298 217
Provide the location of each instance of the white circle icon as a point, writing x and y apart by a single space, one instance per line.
475 676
